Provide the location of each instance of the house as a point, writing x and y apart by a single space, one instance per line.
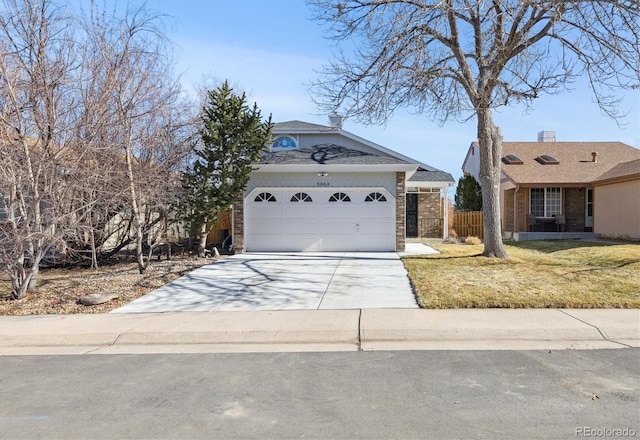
553 189
321 188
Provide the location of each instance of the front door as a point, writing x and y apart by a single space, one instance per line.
412 215
588 212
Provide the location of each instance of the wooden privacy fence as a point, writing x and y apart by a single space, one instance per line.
468 223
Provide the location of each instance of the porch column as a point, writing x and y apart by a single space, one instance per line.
444 196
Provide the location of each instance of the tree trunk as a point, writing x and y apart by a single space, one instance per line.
18 276
490 140
202 243
135 209
33 280
94 253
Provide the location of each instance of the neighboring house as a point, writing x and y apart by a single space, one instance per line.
555 189
321 188
616 201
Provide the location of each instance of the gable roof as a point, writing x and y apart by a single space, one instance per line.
621 172
300 126
295 127
326 154
575 161
431 176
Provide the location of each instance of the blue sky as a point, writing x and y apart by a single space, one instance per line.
271 49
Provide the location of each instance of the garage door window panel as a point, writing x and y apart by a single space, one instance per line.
339 197
265 197
375 197
301 197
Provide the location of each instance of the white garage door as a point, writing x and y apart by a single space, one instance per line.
325 219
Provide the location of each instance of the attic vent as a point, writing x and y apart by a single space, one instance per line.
547 159
512 159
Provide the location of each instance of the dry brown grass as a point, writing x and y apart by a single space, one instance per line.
537 274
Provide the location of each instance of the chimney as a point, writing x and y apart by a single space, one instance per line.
594 156
336 120
547 136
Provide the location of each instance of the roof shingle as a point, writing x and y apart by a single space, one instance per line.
575 161
431 176
326 154
290 126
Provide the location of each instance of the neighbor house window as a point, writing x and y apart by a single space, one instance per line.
546 202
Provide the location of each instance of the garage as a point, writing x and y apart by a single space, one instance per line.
319 219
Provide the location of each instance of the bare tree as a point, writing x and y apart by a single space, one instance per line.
451 59
151 124
38 104
92 127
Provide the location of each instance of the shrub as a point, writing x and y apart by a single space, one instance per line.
472 240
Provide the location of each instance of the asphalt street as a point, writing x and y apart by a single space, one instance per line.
400 394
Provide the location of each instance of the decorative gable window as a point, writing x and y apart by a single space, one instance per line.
284 143
265 197
301 197
375 197
339 197
546 202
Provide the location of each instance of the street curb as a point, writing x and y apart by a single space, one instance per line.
320 330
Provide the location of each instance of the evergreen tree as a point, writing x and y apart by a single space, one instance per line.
233 136
468 194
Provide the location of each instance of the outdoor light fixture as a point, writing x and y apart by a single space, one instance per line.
323 174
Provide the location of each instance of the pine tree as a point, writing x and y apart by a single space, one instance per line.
468 194
232 137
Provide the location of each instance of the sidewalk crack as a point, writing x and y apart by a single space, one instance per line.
604 336
329 283
359 330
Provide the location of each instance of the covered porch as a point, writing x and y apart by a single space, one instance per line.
546 213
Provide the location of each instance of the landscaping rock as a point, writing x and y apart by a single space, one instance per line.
93 299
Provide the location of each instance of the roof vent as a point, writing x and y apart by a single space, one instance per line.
547 136
594 156
512 159
547 159
336 120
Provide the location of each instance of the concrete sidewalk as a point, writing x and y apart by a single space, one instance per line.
320 330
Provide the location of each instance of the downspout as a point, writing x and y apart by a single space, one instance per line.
515 210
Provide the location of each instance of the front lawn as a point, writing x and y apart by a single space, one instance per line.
537 274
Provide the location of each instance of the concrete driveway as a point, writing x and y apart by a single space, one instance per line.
286 281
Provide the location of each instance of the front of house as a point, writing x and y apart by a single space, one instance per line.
553 189
321 188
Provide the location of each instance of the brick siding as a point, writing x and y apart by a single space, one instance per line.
401 212
429 215
507 224
574 209
238 225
